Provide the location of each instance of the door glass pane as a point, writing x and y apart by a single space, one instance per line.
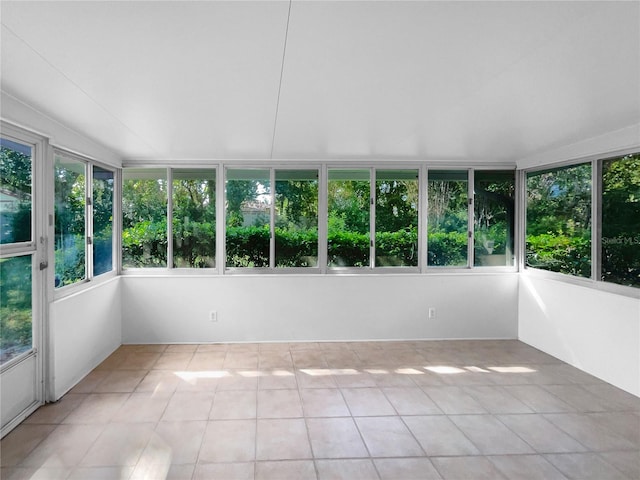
15 192
15 307
144 217
349 220
558 232
396 218
494 207
102 220
194 218
621 220
248 194
70 231
296 218
448 218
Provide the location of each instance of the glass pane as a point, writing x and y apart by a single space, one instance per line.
70 230
296 218
494 207
447 200
194 218
102 220
144 218
248 194
559 220
396 218
15 192
621 220
15 307
349 222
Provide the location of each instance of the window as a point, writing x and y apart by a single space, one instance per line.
621 220
16 262
144 218
248 222
396 242
103 183
558 223
194 218
349 232
448 218
296 218
494 213
70 220
15 192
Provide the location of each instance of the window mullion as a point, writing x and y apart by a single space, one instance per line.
272 219
88 216
470 219
372 218
169 177
323 219
596 219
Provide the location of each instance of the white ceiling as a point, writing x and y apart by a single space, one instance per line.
186 80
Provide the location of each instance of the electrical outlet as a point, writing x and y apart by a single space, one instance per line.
432 313
213 316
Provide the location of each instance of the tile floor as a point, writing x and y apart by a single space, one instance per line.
361 410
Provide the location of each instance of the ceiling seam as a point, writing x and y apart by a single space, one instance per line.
284 52
85 93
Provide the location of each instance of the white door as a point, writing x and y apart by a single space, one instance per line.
21 280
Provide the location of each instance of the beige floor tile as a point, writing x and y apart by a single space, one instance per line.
279 404
175 442
367 402
315 378
497 400
579 398
163 471
113 361
229 441
584 466
121 381
352 378
615 398
89 383
454 400
628 462
411 401
52 413
308 359
188 406
241 360
243 347
341 359
21 441
141 360
234 404
173 361
119 444
225 471
625 424
406 469
97 408
181 348
346 470
101 473
490 435
64 447
275 359
323 402
147 348
143 407
286 470
335 438
526 467
239 379
282 439
389 378
212 347
206 361
541 434
159 381
388 437
439 436
538 399
277 379
589 432
467 468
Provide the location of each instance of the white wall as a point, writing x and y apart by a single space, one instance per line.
596 331
324 307
84 329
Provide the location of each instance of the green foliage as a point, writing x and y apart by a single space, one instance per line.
15 182
15 306
447 248
560 253
248 246
296 248
145 244
348 249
